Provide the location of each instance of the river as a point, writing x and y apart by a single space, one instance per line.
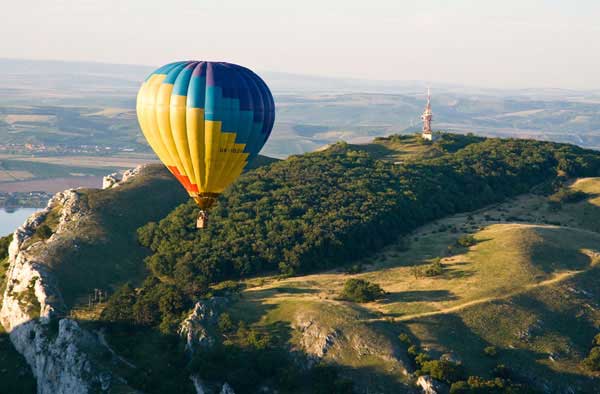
11 219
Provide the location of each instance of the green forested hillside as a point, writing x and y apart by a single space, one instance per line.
315 212
324 209
288 240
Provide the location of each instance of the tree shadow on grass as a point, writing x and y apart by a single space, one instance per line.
419 296
452 273
551 255
295 290
450 334
588 214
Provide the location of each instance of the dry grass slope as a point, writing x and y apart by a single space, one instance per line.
529 286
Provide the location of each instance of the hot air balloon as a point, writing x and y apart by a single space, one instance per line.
205 121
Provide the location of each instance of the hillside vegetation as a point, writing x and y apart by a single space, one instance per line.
527 288
351 205
352 270
325 209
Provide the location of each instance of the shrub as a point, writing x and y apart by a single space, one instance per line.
416 271
596 340
413 350
434 269
460 387
226 324
354 269
501 371
227 288
592 361
252 338
422 358
467 240
120 305
44 231
491 351
4 242
360 290
404 338
479 385
443 370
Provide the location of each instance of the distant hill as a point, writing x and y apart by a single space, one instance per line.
93 103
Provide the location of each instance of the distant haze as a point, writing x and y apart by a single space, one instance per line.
508 44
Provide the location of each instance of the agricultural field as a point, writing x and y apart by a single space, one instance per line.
94 105
52 174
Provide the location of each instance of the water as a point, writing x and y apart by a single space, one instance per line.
10 220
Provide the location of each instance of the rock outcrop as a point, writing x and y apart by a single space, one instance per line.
116 179
198 385
57 349
31 291
195 327
428 385
316 340
227 389
319 340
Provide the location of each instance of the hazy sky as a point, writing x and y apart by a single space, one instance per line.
496 43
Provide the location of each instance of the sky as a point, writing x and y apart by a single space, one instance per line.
487 43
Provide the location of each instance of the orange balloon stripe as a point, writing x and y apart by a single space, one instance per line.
184 180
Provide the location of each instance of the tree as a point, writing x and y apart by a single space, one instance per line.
434 269
44 231
146 311
416 271
491 351
120 305
592 361
226 325
171 301
443 370
360 290
466 240
4 243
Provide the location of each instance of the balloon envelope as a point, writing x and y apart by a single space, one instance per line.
205 121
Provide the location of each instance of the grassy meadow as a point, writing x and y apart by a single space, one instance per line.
528 286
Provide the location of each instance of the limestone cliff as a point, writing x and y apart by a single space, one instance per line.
116 179
56 348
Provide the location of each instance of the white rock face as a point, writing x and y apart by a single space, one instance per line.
55 352
28 282
198 385
193 328
115 179
227 389
429 385
110 180
316 340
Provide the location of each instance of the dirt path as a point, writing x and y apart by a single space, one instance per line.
557 278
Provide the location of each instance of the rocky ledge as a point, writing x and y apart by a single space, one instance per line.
32 307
